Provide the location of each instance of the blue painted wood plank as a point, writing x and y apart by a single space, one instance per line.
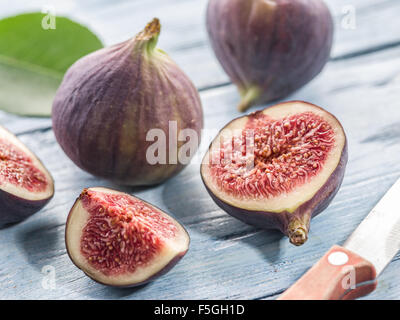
227 259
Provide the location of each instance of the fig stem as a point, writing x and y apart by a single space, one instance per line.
297 232
249 96
150 34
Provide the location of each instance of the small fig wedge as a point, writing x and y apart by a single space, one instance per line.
25 184
277 168
120 240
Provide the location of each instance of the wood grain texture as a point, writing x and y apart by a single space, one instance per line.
227 259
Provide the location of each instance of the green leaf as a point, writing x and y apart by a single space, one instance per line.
33 60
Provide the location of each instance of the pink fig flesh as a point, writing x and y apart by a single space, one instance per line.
277 168
120 240
25 184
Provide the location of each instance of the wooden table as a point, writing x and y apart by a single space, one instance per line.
227 259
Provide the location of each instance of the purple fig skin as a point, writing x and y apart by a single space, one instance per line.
110 99
16 209
294 225
270 49
158 274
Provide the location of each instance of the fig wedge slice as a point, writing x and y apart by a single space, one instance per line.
25 184
277 168
120 240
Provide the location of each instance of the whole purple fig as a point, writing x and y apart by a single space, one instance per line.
270 48
125 112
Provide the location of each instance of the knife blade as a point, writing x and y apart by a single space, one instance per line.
377 238
364 256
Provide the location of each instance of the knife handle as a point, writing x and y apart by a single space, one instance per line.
334 277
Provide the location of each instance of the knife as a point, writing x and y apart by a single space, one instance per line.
350 271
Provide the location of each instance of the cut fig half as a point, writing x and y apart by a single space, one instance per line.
25 184
120 240
277 168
